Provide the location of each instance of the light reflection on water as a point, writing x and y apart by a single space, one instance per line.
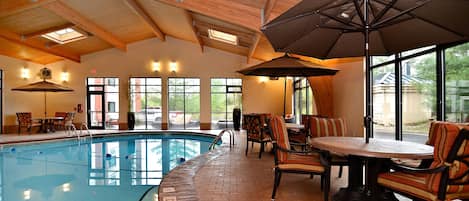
118 168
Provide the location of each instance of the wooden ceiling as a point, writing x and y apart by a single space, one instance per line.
116 23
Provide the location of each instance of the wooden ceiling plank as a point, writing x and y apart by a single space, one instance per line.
191 21
8 8
140 11
226 10
16 38
254 45
79 20
48 30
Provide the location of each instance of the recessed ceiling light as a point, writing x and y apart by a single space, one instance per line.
223 37
64 35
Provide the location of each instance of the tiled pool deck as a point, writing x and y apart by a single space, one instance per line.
226 174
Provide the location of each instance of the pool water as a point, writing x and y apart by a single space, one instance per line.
119 168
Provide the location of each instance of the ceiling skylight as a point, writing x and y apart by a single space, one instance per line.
223 37
64 35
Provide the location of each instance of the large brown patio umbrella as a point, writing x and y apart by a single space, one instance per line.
287 66
43 86
349 28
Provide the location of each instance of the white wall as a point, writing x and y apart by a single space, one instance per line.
257 97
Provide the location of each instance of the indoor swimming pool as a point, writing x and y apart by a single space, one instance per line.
118 168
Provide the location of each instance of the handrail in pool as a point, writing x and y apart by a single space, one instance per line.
217 139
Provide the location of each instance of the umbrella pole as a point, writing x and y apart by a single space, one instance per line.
45 104
368 117
284 97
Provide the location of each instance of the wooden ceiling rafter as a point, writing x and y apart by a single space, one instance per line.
37 45
64 11
8 8
256 39
267 10
143 14
227 10
194 29
45 31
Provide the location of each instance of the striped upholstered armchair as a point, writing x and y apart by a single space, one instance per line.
447 178
290 161
318 126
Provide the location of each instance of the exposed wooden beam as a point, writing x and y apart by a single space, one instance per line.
35 44
8 8
269 5
140 11
226 10
254 45
48 30
79 20
191 21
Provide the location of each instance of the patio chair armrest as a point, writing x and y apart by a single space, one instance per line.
407 169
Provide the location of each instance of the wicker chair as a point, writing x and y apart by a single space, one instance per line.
254 124
447 178
303 162
25 121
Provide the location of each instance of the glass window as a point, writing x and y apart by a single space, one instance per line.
457 83
420 87
418 96
145 101
384 101
184 103
226 94
303 98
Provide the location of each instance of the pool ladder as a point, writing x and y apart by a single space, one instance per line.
83 127
217 139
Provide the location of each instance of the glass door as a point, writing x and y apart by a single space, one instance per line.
95 109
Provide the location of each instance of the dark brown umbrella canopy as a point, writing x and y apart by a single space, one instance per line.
287 66
43 86
335 28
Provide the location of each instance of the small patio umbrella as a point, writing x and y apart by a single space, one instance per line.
287 66
43 86
349 28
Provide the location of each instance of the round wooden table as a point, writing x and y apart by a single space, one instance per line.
374 156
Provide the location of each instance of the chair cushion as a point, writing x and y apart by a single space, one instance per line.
445 139
415 185
412 184
302 162
279 132
323 127
434 129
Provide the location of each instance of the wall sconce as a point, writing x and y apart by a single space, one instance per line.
25 73
173 66
155 66
64 76
263 79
